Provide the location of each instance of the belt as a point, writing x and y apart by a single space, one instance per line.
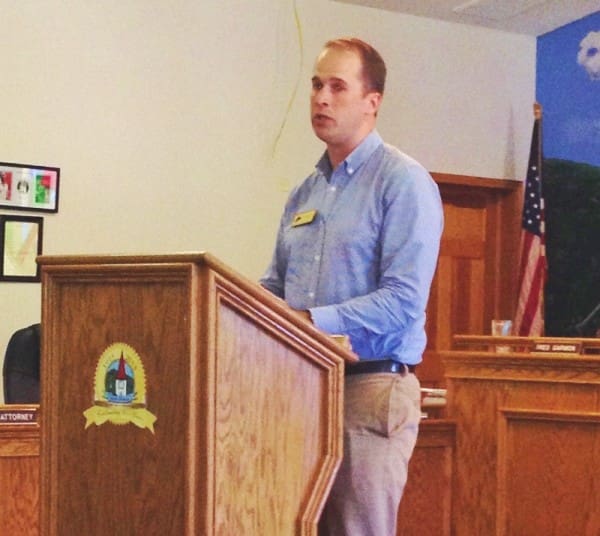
377 365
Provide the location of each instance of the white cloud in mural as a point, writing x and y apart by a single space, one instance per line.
589 54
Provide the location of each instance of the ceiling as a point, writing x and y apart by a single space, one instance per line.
531 17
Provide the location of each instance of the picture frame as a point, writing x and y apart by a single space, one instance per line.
20 244
29 187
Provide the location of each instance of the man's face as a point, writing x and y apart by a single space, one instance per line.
342 112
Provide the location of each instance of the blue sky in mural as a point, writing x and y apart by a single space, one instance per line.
569 91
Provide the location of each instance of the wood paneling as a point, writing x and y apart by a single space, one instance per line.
571 472
475 279
528 432
426 505
19 476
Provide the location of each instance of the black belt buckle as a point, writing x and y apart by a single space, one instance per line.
371 366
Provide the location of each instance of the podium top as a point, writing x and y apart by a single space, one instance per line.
197 257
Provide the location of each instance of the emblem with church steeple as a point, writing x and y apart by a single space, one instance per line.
120 389
120 382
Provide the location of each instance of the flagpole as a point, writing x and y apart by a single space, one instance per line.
537 117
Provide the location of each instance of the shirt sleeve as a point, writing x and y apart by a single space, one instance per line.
409 238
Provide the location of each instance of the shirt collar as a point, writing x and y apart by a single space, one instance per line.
356 158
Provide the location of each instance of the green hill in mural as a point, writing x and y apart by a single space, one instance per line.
572 201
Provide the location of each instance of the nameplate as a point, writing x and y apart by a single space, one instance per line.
18 416
557 347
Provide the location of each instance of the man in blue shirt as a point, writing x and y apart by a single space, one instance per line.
356 251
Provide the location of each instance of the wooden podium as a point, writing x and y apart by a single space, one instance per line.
180 398
527 435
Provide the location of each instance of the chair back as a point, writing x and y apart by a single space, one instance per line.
21 371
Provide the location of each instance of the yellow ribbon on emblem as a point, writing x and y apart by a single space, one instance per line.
98 415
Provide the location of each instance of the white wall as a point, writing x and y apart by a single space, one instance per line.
164 116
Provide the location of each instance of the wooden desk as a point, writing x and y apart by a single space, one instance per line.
19 470
528 440
426 506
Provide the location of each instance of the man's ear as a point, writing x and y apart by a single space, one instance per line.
374 101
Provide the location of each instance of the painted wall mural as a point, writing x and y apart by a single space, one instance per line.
568 89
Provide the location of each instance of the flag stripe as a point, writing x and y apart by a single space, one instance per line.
532 298
526 245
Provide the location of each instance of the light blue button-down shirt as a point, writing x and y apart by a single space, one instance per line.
363 263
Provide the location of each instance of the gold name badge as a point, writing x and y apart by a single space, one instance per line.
302 218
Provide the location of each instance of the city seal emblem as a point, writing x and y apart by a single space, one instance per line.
120 390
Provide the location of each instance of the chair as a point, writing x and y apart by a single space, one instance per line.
21 371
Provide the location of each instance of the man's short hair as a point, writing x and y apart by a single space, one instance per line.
373 66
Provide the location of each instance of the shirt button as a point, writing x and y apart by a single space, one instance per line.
317 257
311 294
332 188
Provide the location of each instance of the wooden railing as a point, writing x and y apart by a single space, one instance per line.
19 470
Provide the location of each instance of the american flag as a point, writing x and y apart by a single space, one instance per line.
529 318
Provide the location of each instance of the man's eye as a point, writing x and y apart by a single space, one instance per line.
317 85
337 87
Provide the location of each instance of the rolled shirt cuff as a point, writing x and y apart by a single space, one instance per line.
327 319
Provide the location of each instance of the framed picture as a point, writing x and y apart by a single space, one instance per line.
26 187
20 244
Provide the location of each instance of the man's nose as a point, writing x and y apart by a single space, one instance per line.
322 96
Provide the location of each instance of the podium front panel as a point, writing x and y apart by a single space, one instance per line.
110 478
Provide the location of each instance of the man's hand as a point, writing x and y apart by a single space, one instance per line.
304 314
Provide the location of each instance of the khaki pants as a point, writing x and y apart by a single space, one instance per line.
381 421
